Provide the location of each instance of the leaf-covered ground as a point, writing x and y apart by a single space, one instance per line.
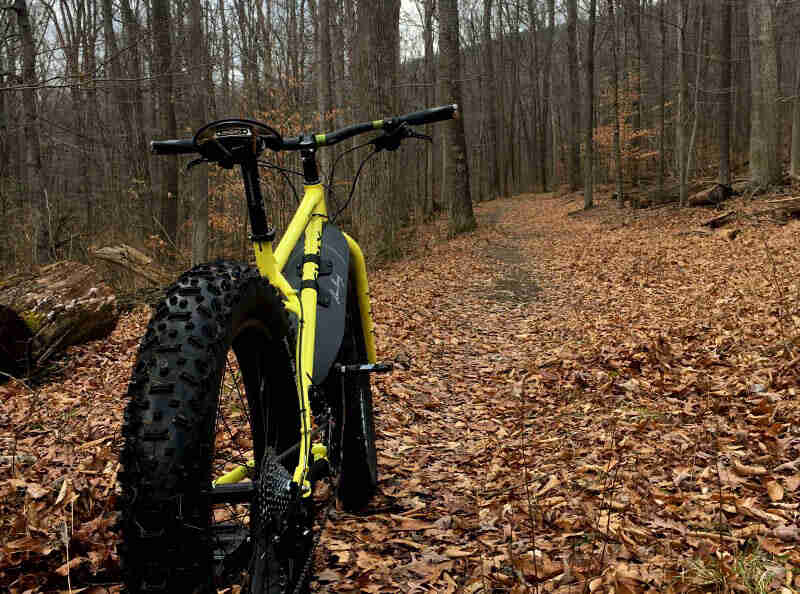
602 401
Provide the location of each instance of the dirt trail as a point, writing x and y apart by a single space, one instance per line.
465 317
573 408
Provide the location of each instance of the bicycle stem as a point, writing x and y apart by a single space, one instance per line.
310 171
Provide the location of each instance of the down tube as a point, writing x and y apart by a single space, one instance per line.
307 333
359 272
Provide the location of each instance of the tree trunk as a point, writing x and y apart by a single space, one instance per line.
132 42
4 116
795 157
588 199
225 67
662 120
199 173
503 144
489 101
459 200
699 76
42 253
120 93
432 196
635 16
765 165
168 190
573 150
66 303
615 83
325 62
681 143
546 90
726 90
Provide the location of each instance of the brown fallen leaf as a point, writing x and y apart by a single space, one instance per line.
751 530
70 565
746 470
729 478
328 575
410 524
787 533
36 491
792 482
552 483
456 553
749 507
774 490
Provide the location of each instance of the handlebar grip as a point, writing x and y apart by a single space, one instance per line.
180 146
429 116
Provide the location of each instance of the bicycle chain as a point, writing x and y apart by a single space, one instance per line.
310 559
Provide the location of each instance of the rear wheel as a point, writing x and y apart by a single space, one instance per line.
352 396
212 388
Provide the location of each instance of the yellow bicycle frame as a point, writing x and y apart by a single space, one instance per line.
311 215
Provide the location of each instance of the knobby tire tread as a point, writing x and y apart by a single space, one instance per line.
169 422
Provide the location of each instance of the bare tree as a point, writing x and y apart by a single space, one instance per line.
168 186
699 73
547 100
765 165
33 156
433 156
615 83
133 35
490 101
457 181
726 92
794 170
120 93
588 199
681 141
199 100
573 150
662 120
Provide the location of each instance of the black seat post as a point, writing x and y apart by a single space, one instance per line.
255 203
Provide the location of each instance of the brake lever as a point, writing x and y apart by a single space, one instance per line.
411 133
391 141
194 162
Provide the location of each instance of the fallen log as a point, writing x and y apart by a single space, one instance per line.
63 304
785 208
134 261
712 196
719 221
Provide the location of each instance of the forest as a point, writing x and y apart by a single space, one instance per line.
586 282
653 96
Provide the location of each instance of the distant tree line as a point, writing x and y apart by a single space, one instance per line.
553 92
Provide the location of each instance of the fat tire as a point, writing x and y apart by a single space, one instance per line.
170 421
358 469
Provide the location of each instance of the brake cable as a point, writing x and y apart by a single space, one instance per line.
331 178
284 172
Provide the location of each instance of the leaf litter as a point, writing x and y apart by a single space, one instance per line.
596 402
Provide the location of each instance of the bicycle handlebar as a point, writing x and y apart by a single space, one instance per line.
417 118
173 147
